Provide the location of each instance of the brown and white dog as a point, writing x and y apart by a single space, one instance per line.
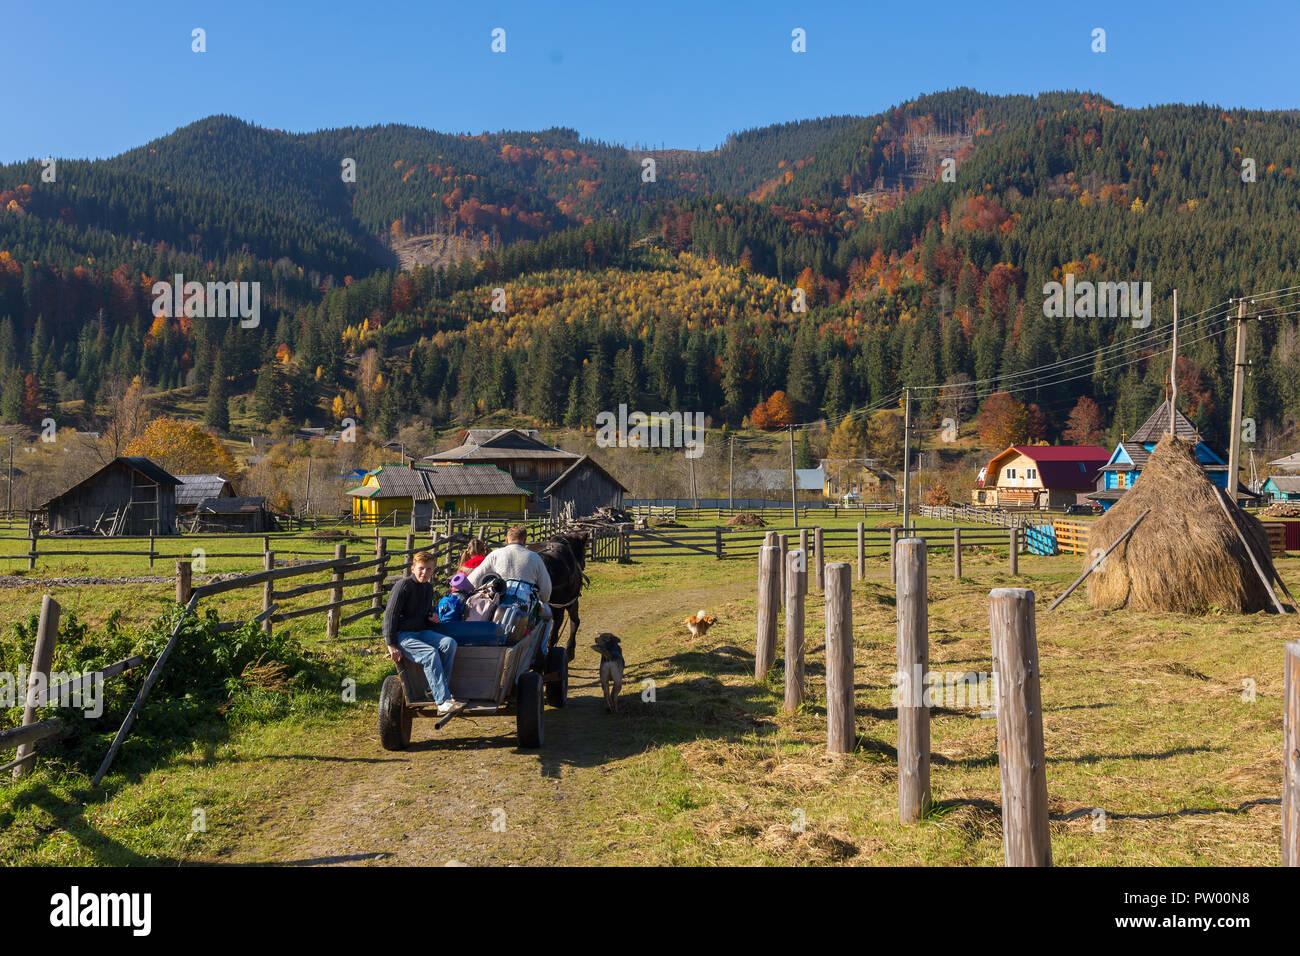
699 624
611 669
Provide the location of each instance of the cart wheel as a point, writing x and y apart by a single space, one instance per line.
528 720
394 718
557 688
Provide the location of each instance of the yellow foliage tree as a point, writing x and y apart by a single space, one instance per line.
183 448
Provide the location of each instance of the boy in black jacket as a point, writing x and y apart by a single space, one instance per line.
406 629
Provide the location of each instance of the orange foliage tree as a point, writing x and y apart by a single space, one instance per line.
183 448
1003 421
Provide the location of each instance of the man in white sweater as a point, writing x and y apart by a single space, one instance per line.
515 562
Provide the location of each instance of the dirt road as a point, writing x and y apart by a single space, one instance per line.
468 794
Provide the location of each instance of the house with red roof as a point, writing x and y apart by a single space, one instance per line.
1042 477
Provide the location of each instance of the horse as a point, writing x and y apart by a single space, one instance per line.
565 557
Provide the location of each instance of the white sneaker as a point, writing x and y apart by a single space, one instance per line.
446 706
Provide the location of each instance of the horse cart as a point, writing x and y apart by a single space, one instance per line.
502 667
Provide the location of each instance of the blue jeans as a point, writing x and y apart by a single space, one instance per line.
435 653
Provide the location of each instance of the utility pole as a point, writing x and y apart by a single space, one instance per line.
691 462
1173 371
1238 383
907 458
794 499
731 471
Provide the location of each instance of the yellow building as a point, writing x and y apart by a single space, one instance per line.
390 493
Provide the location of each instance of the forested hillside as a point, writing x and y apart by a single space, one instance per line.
677 293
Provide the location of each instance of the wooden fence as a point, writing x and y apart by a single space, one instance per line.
35 545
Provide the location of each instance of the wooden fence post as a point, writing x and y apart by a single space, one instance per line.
839 659
381 552
784 541
717 541
821 559
1026 838
33 532
47 634
335 614
410 545
151 548
956 554
268 562
796 586
769 602
862 552
184 581
803 546
1291 756
266 543
893 546
1015 551
913 663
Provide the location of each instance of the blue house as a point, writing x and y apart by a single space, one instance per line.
1126 461
1282 488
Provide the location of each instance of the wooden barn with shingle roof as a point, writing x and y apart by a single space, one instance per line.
530 462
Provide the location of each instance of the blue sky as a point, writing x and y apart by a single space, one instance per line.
90 79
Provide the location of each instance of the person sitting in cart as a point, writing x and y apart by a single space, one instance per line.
406 629
515 562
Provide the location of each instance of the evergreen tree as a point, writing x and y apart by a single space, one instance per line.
216 414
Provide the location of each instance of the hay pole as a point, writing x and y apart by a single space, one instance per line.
1097 562
1232 520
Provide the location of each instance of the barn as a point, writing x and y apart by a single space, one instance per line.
585 486
127 496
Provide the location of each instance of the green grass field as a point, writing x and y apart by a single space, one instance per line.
1163 740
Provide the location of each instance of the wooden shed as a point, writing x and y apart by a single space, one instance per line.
196 488
233 514
586 486
127 496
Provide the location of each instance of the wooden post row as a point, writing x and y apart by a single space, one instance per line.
839 659
893 546
769 602
381 552
913 656
784 542
1026 838
335 614
184 581
796 586
268 562
803 546
47 634
862 552
820 552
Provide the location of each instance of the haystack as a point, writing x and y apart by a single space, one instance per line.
746 519
1185 555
